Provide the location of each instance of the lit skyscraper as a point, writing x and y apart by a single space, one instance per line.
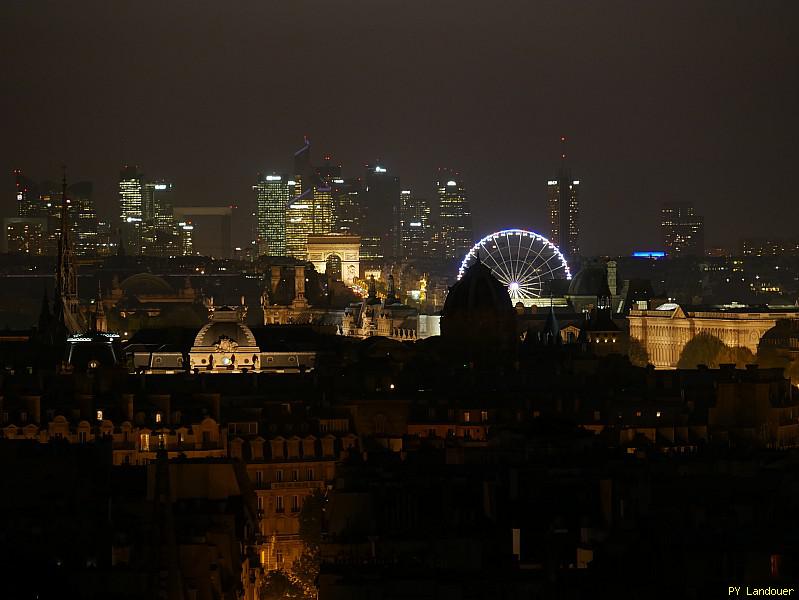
25 235
159 229
414 225
564 209
380 215
157 202
274 192
83 218
131 207
455 216
130 194
299 220
683 230
310 210
347 195
28 204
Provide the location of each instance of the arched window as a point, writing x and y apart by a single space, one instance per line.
333 267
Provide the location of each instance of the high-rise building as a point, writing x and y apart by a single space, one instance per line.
159 229
158 198
273 195
83 218
310 210
683 230
131 207
564 209
414 225
380 215
299 220
130 193
106 241
347 195
25 235
454 213
28 204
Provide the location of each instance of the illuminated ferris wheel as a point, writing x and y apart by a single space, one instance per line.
522 260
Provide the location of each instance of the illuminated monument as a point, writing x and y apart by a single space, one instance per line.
225 343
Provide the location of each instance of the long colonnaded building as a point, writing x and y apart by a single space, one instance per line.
666 330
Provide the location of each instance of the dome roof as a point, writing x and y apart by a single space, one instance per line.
146 284
478 289
784 335
225 323
592 280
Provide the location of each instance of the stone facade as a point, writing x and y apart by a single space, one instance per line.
664 332
344 249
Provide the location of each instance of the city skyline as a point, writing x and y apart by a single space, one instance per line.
690 111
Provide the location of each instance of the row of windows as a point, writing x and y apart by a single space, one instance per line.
310 475
295 503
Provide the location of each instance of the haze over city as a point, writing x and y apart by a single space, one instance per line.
668 102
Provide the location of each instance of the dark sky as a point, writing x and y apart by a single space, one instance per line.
695 101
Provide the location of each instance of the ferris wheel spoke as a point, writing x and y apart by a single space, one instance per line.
499 271
511 259
533 265
502 256
503 267
529 247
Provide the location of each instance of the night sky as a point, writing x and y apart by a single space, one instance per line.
694 101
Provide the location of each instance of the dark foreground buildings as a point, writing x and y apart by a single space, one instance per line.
505 458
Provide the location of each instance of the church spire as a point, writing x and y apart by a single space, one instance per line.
100 321
66 276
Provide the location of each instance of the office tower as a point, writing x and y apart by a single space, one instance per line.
27 196
299 219
310 210
83 218
185 238
414 225
49 208
564 209
347 195
159 229
106 241
683 230
158 198
25 235
455 216
130 207
324 188
380 218
328 171
273 195
130 194
303 170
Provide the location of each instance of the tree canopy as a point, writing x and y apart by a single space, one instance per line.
706 349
